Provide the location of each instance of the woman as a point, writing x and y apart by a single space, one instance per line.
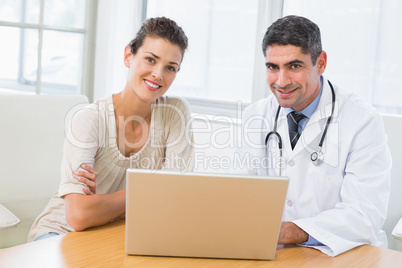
136 128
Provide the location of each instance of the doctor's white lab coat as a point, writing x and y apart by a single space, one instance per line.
342 203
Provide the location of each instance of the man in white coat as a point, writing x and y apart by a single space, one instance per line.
339 168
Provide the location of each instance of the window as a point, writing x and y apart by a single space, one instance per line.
362 40
224 64
117 24
46 46
219 72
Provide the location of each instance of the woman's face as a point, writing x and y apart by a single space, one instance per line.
153 68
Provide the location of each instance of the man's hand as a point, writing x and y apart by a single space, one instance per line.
290 233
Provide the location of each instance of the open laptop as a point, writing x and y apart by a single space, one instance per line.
203 215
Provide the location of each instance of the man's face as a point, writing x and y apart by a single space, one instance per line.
292 77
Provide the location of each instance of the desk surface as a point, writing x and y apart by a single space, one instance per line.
104 247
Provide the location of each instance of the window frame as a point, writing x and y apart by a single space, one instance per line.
89 34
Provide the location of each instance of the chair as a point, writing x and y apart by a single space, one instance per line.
31 143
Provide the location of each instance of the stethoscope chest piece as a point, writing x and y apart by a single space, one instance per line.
317 157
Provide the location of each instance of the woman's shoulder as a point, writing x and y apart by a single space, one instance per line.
170 111
176 101
98 107
173 105
94 113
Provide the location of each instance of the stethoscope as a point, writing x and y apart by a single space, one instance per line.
316 157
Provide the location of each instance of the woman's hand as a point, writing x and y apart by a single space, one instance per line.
87 177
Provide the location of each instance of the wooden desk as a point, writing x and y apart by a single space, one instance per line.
104 247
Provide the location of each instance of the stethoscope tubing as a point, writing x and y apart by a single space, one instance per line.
317 156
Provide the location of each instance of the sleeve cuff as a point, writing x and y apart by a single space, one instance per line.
312 242
70 188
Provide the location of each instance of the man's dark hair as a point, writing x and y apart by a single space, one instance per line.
296 31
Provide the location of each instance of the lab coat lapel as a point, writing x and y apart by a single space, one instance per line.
312 133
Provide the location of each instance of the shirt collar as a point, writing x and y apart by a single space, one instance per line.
310 109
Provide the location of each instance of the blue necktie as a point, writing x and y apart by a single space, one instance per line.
293 122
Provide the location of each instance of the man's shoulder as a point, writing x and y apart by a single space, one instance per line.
261 106
354 111
355 104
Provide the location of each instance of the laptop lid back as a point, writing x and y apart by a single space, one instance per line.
203 215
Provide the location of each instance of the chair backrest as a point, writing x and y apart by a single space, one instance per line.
31 145
393 129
